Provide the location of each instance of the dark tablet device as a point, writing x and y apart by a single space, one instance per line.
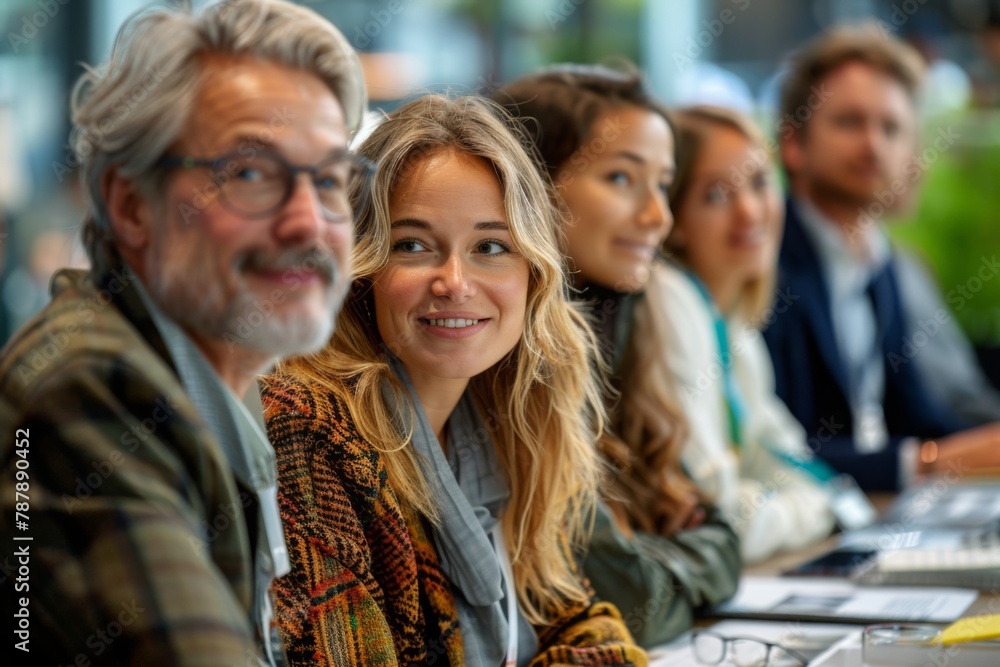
833 564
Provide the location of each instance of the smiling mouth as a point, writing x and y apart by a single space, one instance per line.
451 323
636 247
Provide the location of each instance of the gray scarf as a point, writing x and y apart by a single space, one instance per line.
471 492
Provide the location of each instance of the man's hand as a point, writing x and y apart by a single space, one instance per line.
974 448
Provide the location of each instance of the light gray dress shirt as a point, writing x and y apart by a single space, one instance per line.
848 270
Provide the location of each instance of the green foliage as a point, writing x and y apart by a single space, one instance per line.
956 225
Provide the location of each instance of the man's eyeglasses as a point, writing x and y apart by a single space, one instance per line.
712 649
256 183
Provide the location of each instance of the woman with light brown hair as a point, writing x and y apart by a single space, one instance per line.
436 460
744 450
657 552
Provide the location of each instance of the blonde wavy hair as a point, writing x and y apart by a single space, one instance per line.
548 400
692 128
559 107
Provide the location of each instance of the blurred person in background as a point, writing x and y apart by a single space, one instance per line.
848 122
48 238
658 551
26 288
436 459
744 450
219 231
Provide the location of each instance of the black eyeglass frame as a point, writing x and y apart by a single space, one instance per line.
726 641
365 169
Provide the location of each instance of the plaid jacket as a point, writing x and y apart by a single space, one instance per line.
366 587
140 553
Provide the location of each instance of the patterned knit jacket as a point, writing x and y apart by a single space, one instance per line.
366 587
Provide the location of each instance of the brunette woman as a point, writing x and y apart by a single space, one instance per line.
658 552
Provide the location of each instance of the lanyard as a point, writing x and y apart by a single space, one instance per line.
811 466
734 403
508 575
870 434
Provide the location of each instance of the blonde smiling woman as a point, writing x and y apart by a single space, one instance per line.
441 447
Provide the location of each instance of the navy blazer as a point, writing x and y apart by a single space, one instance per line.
812 377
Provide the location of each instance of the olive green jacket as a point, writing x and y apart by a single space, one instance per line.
140 553
658 583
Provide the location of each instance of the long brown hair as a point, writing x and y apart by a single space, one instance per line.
544 404
559 107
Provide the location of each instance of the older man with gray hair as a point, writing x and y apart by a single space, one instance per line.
139 515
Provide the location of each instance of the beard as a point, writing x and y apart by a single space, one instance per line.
203 297
839 188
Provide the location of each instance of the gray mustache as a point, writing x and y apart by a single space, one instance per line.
321 262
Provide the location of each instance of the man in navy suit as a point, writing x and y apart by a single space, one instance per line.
847 138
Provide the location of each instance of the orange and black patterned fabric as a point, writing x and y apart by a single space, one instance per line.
366 587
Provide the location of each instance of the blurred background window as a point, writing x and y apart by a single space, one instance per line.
725 52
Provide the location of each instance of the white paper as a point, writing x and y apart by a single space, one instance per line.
845 653
808 598
848 653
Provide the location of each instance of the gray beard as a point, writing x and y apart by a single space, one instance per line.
243 320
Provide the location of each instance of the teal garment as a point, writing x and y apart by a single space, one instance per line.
735 408
660 584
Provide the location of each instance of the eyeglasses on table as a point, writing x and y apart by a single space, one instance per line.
711 648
